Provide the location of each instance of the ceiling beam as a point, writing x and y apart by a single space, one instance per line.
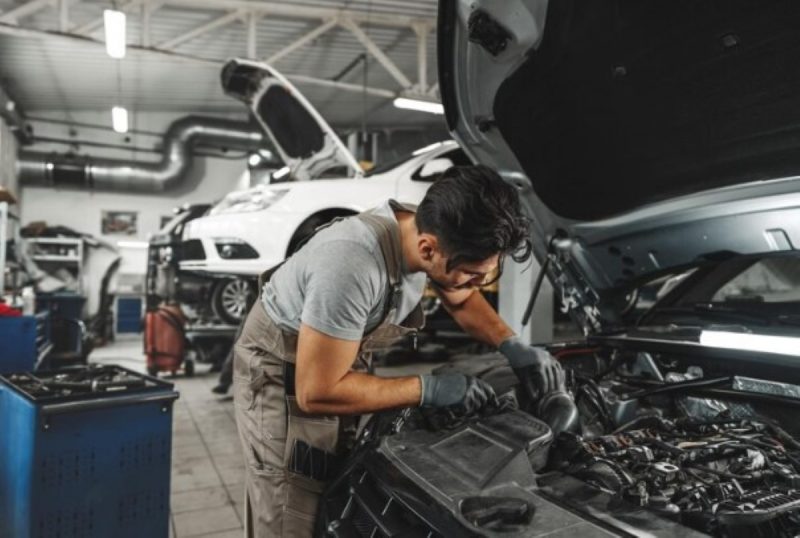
422 31
97 23
357 88
289 10
252 35
210 26
25 10
377 53
63 15
145 13
135 50
302 41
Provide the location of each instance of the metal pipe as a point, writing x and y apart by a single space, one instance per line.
39 168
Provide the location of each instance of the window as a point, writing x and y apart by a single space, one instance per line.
433 168
774 280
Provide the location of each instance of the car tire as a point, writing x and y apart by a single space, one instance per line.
303 232
230 299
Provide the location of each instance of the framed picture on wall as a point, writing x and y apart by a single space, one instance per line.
119 223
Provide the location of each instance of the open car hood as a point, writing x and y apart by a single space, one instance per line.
305 142
645 137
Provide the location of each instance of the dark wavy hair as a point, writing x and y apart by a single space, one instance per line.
475 214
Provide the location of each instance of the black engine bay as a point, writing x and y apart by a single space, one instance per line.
666 444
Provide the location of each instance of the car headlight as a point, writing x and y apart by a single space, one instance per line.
244 202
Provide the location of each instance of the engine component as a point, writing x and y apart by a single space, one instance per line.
727 477
558 410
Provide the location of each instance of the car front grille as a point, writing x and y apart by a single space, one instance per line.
192 249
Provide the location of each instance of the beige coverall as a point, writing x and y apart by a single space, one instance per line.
282 482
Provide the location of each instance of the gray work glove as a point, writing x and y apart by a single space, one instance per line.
463 393
538 372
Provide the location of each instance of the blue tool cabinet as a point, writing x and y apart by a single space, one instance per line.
84 463
129 315
25 342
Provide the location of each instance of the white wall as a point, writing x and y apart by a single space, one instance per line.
8 159
211 178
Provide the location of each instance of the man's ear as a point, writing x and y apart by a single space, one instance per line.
427 246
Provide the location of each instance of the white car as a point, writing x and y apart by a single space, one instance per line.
253 230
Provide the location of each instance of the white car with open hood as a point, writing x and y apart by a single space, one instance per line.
253 230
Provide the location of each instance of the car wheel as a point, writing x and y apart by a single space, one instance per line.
231 299
306 229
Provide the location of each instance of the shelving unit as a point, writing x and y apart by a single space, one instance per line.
64 251
6 232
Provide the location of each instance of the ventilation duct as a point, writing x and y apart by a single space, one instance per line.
60 170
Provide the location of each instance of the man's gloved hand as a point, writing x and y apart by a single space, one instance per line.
465 394
537 370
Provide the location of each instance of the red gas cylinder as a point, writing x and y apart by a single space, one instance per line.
164 339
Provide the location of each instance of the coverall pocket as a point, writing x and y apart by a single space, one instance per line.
302 492
261 417
318 431
300 512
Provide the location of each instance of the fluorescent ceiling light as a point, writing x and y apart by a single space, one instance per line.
785 345
420 105
119 119
280 173
132 244
115 32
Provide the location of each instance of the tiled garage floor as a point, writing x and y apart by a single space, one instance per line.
207 468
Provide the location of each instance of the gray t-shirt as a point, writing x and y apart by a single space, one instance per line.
337 283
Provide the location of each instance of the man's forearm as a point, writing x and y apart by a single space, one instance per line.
357 393
479 320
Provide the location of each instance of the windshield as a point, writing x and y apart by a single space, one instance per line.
763 291
175 224
385 167
766 281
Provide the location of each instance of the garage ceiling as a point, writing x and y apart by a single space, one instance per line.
52 55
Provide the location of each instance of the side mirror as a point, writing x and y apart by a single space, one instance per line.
435 167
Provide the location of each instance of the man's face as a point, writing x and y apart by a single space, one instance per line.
463 275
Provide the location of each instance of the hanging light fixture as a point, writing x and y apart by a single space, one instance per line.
114 22
119 119
420 105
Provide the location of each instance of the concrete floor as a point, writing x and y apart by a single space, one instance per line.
207 466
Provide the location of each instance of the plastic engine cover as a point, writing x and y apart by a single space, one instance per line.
471 459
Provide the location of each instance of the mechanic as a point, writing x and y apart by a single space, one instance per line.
303 360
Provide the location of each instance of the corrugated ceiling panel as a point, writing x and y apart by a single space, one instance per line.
49 75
